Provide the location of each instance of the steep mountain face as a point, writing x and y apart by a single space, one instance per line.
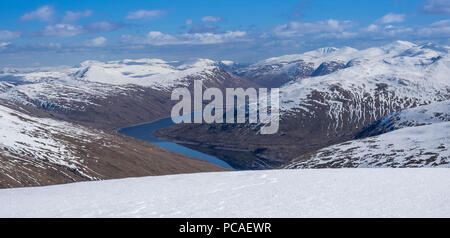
275 72
38 151
418 116
112 94
417 137
317 112
328 68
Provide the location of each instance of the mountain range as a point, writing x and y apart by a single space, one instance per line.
331 108
340 107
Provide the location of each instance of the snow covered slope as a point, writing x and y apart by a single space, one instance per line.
415 137
423 146
153 73
418 116
277 193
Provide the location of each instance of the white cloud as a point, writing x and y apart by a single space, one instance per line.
436 29
44 13
211 19
158 38
374 31
391 18
96 42
436 7
102 26
189 22
145 14
212 38
395 31
372 28
71 16
61 30
69 30
295 29
338 35
4 44
9 35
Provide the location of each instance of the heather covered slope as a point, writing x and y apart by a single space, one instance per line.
276 193
38 151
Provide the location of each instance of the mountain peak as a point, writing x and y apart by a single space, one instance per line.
398 46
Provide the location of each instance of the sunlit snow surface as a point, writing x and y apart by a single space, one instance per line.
287 193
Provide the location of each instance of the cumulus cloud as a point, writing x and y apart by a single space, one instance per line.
71 16
337 35
391 18
44 13
188 21
4 45
145 14
211 19
436 29
96 42
295 29
158 38
102 26
61 30
436 7
69 30
372 28
9 35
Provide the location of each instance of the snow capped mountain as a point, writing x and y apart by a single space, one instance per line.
274 72
327 95
394 79
353 89
92 79
111 94
153 73
276 193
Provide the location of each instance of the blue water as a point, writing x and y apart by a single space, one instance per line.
145 132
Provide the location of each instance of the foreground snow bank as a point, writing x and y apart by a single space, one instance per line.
280 193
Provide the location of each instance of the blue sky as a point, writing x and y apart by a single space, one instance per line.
40 33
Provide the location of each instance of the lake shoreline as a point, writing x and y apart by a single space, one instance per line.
146 132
